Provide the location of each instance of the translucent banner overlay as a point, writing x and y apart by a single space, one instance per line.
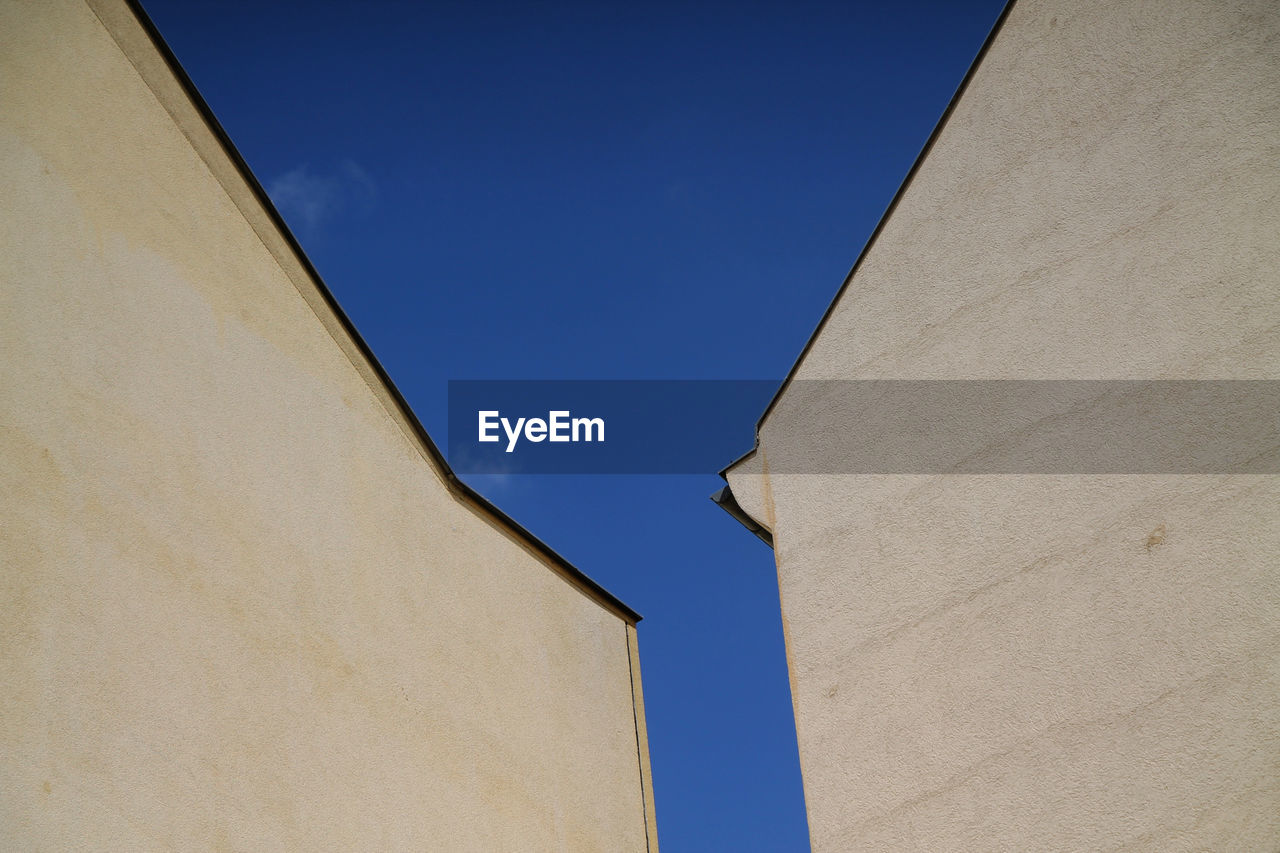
867 426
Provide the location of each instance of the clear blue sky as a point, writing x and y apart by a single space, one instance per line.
594 191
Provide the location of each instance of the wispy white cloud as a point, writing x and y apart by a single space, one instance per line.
308 199
491 484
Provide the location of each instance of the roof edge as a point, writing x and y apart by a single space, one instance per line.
727 502
571 573
884 219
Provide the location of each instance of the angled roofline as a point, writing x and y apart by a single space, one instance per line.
571 572
884 219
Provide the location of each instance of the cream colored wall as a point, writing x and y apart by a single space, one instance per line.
1055 662
240 609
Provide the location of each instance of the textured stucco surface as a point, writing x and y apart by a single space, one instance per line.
1054 662
239 610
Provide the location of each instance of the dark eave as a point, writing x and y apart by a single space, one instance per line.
457 486
724 497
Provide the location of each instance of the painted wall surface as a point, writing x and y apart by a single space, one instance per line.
239 608
1067 662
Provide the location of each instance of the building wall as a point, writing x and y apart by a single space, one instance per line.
239 607
1063 662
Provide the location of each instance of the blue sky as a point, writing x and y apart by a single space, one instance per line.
601 191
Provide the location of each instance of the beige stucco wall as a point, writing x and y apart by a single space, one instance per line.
1063 662
239 608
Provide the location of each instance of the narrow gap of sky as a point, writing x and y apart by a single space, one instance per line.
586 190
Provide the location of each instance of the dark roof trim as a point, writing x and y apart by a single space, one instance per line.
884 219
727 502
593 589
